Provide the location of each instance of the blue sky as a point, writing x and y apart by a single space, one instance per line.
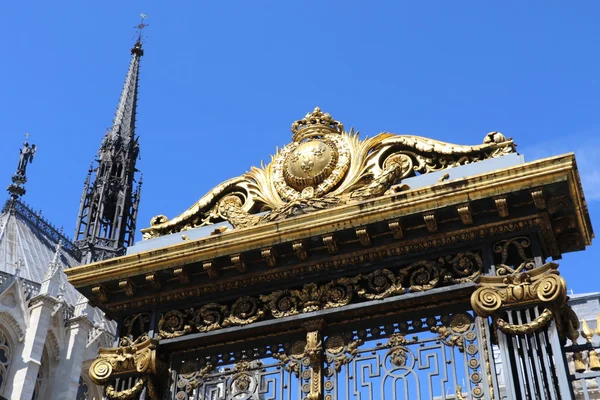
221 83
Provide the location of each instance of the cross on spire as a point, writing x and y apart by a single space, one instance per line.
141 26
27 134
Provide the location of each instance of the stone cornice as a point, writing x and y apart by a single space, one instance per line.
80 320
43 299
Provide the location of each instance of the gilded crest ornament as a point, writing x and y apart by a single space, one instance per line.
323 167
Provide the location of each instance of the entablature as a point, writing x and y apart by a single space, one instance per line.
544 196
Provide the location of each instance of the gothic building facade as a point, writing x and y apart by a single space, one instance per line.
49 333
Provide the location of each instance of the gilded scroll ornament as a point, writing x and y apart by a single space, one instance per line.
208 317
244 311
540 286
172 324
323 167
140 357
292 362
187 382
137 359
340 351
136 326
520 245
380 284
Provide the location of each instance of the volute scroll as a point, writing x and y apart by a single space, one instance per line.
324 167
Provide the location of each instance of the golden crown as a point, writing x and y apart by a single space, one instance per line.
316 123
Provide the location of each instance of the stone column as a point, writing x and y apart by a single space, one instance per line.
41 308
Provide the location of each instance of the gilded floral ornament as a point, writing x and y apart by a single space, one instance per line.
380 284
340 351
323 167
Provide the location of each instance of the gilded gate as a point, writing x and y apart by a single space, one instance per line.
393 267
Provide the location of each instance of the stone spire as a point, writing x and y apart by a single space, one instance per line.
51 285
107 214
17 188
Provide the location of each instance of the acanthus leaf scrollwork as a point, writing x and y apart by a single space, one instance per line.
540 286
520 245
324 167
137 358
380 284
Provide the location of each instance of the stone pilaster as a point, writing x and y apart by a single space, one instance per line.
66 385
33 348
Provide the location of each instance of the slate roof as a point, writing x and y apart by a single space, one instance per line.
26 236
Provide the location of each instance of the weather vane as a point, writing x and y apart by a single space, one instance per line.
141 26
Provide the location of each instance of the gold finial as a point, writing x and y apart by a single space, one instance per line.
586 332
316 123
578 362
597 324
594 361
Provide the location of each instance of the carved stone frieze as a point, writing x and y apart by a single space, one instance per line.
324 167
134 327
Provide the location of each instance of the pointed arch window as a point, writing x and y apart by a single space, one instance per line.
5 358
42 376
82 391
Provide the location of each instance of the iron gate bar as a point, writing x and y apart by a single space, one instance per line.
541 344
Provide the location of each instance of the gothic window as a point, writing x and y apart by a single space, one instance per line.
41 377
82 391
5 357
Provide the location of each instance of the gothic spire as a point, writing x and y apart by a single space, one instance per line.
110 199
17 188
